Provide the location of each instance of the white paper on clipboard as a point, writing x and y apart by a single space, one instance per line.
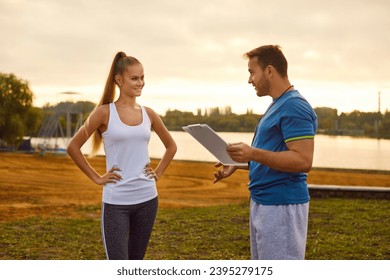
209 139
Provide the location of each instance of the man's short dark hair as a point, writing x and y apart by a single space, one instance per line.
270 55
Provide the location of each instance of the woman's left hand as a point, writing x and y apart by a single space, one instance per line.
150 173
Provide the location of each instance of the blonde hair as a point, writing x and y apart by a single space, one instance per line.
118 67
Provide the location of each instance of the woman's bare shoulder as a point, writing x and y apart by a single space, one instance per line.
100 114
102 110
150 112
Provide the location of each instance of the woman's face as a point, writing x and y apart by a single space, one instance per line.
132 80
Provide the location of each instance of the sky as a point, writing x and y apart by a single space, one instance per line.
192 51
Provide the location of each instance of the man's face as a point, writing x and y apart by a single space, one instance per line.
257 77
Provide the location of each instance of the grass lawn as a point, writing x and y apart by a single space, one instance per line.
339 229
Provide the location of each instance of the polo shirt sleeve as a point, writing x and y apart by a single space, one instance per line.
298 121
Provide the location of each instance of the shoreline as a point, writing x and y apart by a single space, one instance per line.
328 169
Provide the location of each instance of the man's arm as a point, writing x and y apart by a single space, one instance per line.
298 157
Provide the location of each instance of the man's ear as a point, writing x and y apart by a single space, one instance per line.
269 71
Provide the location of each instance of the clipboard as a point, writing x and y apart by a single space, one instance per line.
209 139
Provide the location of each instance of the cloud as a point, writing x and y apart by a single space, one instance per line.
72 43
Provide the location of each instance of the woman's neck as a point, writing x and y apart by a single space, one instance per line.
129 102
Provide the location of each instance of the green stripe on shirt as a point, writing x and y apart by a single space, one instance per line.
299 138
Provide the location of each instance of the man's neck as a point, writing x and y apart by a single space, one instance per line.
281 88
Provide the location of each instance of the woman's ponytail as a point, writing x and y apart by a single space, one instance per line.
107 97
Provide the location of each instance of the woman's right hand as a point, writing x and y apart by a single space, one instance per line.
110 177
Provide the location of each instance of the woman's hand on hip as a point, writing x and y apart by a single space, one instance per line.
110 177
150 173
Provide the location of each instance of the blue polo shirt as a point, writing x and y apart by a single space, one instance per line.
289 118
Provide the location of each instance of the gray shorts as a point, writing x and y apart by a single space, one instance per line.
278 232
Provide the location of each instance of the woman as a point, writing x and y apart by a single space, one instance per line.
129 194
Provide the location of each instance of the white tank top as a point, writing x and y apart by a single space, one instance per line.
127 147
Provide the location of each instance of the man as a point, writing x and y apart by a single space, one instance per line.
278 160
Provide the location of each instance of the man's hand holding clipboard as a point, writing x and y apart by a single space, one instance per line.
209 139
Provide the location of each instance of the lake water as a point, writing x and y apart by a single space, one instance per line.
330 151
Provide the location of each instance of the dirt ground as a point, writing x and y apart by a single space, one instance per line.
33 185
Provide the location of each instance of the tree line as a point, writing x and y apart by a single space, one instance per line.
220 119
19 118
356 123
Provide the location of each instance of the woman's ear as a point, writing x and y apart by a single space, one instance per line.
118 80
